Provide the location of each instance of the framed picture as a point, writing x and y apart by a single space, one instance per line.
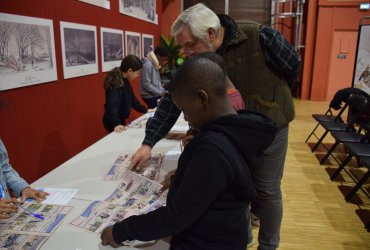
133 43
27 52
111 48
101 3
147 44
361 75
79 49
141 9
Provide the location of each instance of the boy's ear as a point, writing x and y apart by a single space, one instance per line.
203 98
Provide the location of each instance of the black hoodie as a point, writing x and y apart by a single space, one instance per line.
211 189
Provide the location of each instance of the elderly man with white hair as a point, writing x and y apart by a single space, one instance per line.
263 67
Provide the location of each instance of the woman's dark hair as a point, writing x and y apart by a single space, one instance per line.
131 62
114 78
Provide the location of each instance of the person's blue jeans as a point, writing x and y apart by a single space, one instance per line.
152 102
267 180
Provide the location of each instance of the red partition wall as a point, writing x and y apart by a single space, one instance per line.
330 47
170 11
44 125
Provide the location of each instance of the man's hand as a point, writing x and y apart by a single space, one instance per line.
141 157
7 207
167 180
107 237
35 194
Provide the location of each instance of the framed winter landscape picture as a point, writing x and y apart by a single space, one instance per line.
133 43
141 9
147 44
79 49
111 48
27 52
361 76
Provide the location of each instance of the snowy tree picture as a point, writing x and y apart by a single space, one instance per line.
361 77
27 53
79 49
141 9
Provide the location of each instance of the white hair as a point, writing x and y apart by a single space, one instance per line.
199 19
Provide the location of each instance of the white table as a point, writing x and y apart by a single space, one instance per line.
85 172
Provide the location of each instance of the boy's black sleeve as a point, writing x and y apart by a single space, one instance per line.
163 120
207 175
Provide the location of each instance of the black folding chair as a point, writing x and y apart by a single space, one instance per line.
361 110
355 102
327 117
366 163
357 149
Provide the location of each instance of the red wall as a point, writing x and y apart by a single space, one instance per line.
330 17
170 11
46 124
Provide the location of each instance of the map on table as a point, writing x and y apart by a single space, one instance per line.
120 167
133 196
25 231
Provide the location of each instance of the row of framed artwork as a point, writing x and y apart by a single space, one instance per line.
140 9
27 49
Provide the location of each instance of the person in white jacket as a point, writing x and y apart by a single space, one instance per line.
151 88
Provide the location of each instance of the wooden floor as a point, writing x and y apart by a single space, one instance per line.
316 215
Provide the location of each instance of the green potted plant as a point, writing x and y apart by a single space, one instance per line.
176 56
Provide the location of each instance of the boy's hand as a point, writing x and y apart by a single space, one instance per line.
140 159
167 180
35 194
188 136
175 136
107 237
7 207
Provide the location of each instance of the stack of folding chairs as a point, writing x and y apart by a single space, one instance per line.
353 134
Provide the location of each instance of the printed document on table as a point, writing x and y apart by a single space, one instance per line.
120 167
133 196
24 231
58 196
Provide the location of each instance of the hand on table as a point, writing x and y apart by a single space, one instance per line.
7 207
35 194
175 136
119 128
107 237
167 180
188 136
141 157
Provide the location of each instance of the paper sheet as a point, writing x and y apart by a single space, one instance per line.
58 196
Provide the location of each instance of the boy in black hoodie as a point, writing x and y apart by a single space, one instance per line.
213 185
